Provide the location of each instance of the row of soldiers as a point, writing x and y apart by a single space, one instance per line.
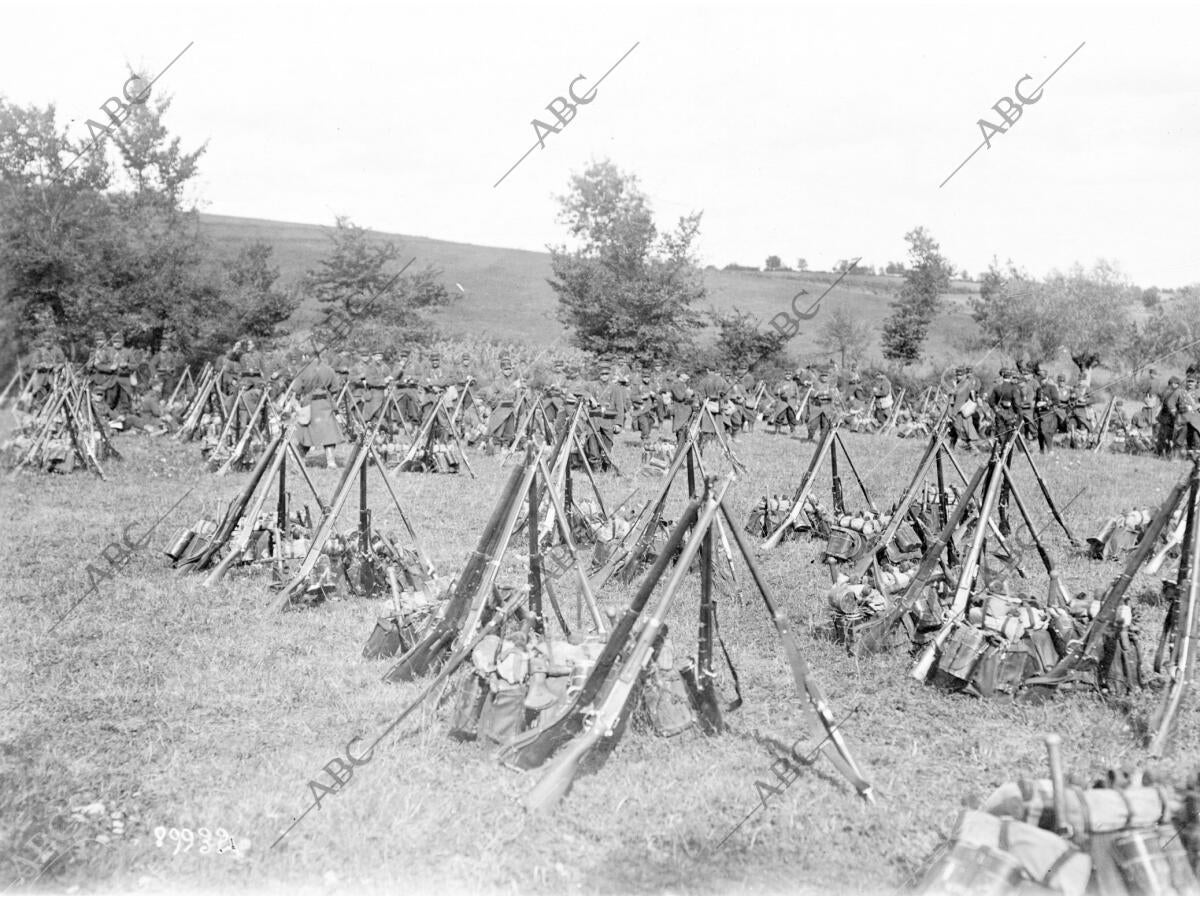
1043 407
130 381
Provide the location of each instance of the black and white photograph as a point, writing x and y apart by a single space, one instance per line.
641 448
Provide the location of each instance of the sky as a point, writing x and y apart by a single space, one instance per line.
808 130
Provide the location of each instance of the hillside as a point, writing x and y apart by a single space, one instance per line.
507 296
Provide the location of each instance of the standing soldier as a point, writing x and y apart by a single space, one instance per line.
101 368
167 364
662 389
250 371
644 404
125 361
964 406
1080 423
375 379
1005 401
822 405
783 406
1187 413
882 390
1165 437
681 406
1028 387
48 360
1047 404
623 394
710 390
317 386
408 395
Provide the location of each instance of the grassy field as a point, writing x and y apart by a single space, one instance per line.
186 707
507 296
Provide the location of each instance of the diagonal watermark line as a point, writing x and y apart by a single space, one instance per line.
592 88
92 589
808 759
105 134
1031 93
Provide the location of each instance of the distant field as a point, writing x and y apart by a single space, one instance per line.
507 296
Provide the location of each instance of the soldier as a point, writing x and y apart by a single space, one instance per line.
644 406
1187 413
964 406
710 390
623 395
1164 443
436 375
783 408
1028 387
1080 421
681 406
1139 434
253 383
48 360
316 386
823 404
167 365
101 368
1047 404
1005 401
881 388
125 362
375 381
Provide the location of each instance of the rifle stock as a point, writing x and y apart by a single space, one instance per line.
528 751
561 770
835 748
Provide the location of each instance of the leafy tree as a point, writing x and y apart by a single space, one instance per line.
927 277
353 279
740 341
1151 297
773 263
802 264
257 305
626 289
844 334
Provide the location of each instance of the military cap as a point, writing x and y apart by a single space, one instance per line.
1173 381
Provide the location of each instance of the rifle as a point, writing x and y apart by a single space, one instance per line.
609 710
834 746
1185 651
887 428
970 566
417 661
806 484
1087 652
530 750
698 679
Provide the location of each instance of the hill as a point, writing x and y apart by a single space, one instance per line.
507 297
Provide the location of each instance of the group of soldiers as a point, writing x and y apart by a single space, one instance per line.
138 386
1044 407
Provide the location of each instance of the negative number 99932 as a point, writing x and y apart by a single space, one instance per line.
220 840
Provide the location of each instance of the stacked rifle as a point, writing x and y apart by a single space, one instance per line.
66 432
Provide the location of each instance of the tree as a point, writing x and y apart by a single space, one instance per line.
354 280
1151 297
626 289
258 307
802 264
740 341
927 278
773 263
844 334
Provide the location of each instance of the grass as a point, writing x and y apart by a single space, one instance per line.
190 707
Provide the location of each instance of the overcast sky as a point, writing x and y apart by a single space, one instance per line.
805 130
